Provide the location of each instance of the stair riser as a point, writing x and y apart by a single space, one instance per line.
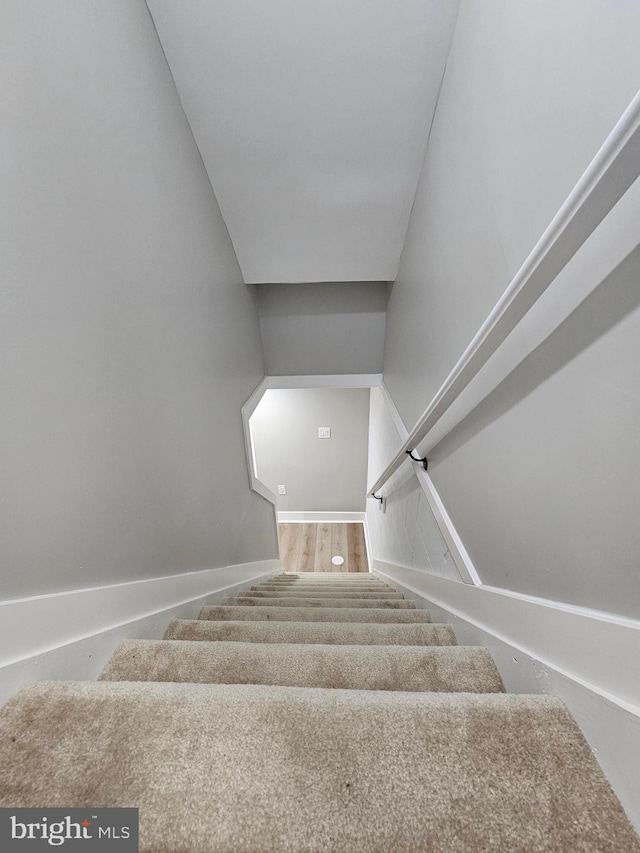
455 669
327 578
254 593
319 602
348 575
313 614
338 576
333 633
328 587
336 586
319 578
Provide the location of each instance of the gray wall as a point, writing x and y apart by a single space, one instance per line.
541 478
335 327
406 532
128 340
319 474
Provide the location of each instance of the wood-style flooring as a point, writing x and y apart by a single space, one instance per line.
310 547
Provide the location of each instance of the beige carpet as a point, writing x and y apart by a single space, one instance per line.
318 601
457 669
332 633
365 577
318 580
319 593
341 576
325 584
316 589
301 613
289 770
359 727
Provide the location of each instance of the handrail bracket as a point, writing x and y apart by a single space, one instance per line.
424 460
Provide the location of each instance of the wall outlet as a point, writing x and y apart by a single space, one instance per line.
282 490
324 432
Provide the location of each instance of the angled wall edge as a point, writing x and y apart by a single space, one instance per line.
347 380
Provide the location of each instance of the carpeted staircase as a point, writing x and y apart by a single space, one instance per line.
313 713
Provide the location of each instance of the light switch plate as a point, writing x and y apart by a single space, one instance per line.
282 490
324 432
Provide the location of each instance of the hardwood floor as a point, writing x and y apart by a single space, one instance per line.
310 547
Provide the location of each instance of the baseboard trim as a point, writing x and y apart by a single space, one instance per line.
39 624
598 651
321 517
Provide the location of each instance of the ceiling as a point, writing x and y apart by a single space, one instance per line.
312 120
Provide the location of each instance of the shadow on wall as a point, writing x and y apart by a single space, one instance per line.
617 296
334 327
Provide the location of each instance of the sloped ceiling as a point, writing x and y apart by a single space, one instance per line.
312 119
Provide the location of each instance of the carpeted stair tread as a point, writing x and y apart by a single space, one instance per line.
350 580
299 593
339 575
333 633
300 613
461 669
327 587
314 577
295 601
235 768
325 582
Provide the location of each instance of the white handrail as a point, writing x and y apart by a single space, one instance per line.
609 175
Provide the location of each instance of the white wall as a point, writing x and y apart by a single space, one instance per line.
319 474
129 341
540 478
331 327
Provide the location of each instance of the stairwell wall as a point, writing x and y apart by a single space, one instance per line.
323 328
404 530
129 340
319 475
537 462
539 475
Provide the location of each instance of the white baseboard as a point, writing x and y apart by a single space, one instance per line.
321 517
598 650
72 634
